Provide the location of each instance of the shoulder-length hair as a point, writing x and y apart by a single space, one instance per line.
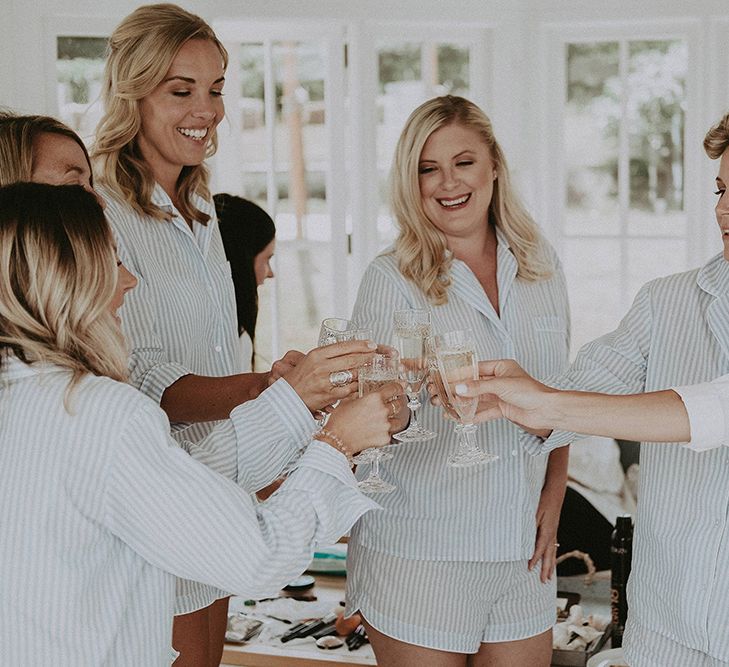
57 279
716 140
17 136
141 51
246 229
420 245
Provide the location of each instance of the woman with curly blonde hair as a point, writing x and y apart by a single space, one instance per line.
163 102
471 569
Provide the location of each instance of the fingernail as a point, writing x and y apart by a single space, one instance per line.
372 345
461 389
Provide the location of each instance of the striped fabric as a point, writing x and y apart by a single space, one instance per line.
463 604
482 513
676 333
180 319
649 649
91 532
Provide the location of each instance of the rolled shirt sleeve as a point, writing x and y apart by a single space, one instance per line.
707 405
223 538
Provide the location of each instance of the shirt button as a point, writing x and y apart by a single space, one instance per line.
218 348
514 452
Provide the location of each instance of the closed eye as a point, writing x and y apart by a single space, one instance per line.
426 170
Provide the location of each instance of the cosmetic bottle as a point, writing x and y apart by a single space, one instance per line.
621 551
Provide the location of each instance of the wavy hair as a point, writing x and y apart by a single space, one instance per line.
17 136
57 279
141 51
716 140
420 246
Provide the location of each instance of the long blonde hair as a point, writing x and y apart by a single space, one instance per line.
17 136
141 51
420 246
716 140
57 278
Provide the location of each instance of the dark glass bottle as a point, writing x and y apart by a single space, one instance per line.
621 552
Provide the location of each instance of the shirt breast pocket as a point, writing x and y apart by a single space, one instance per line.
550 334
551 324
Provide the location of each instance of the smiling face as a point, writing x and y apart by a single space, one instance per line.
180 115
262 263
456 177
722 206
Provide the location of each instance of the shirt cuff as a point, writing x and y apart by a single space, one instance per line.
536 446
287 408
161 376
337 500
706 413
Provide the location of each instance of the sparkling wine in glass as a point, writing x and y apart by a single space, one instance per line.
374 375
411 328
457 362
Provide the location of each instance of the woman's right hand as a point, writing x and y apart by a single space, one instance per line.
505 389
310 376
365 422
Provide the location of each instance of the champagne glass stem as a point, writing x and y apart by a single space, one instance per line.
413 405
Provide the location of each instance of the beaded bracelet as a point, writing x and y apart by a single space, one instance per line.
334 440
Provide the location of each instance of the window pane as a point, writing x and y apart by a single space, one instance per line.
303 223
591 126
592 269
79 71
657 90
253 155
453 69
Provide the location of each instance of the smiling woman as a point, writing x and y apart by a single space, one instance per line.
481 545
163 101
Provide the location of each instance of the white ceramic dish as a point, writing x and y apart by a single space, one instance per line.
613 656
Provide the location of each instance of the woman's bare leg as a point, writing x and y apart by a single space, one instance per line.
191 637
217 625
534 651
394 653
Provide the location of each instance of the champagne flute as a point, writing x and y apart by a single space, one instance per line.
338 330
457 362
412 327
379 371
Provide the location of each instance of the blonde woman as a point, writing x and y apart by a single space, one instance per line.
675 335
457 569
91 482
163 101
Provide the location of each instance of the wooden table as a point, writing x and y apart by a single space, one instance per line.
256 654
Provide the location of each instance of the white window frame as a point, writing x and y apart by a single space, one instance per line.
554 39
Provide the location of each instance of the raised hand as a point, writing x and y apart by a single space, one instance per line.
328 374
505 389
365 422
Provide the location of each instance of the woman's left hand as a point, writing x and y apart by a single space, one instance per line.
545 549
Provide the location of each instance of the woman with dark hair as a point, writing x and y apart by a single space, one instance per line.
249 239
